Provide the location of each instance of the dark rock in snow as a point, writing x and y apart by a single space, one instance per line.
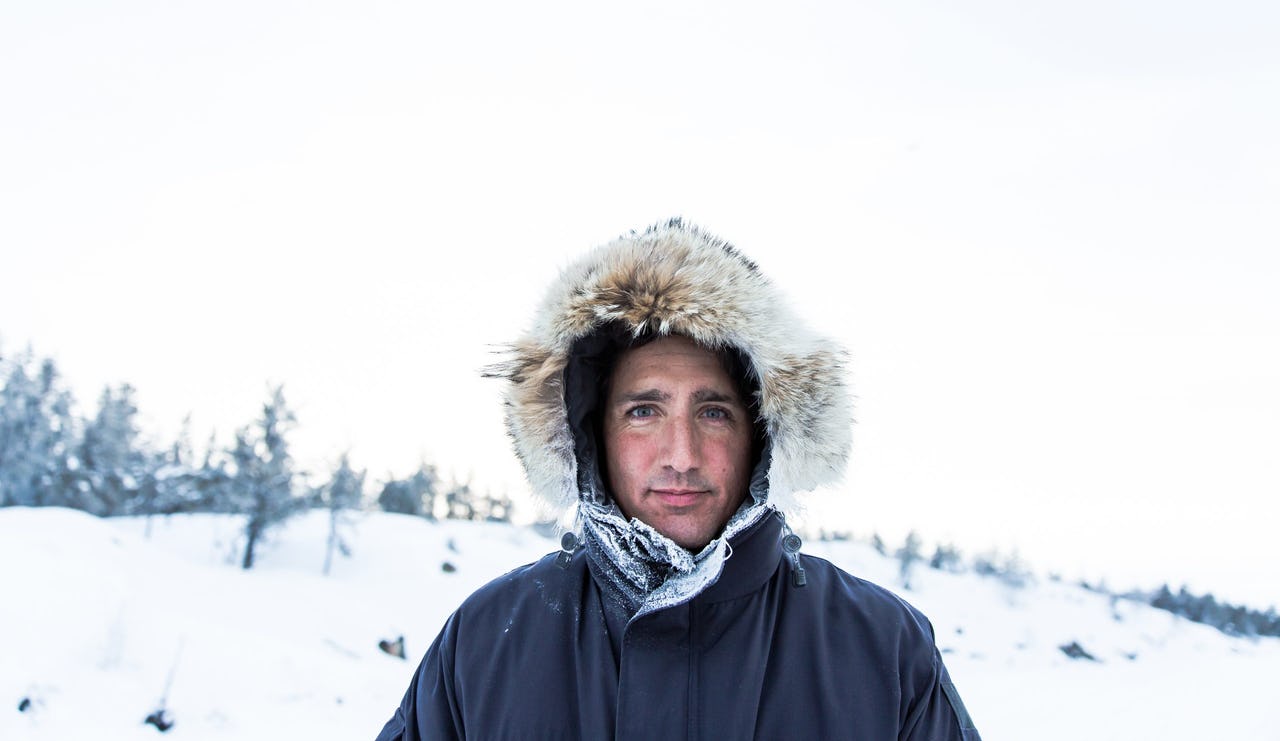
394 648
448 568
1075 651
160 719
24 704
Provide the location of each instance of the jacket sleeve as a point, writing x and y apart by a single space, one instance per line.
938 712
430 709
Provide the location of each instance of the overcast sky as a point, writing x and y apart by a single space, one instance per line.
1048 236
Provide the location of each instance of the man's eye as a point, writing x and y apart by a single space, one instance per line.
716 413
640 412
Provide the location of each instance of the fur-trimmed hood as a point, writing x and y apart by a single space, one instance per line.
674 278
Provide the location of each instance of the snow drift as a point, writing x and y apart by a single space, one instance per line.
103 621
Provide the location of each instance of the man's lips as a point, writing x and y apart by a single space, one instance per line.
678 497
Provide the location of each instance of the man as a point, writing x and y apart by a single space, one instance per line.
667 394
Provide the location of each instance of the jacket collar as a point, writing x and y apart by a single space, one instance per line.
755 557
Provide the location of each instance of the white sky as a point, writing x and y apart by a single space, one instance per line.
1048 236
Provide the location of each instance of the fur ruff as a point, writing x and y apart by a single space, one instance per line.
676 279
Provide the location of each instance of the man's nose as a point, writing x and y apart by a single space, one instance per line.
682 445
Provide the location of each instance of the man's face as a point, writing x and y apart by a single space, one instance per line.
677 440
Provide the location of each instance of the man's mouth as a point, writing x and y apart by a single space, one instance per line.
678 497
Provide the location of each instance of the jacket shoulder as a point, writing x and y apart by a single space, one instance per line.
544 586
502 631
871 606
867 625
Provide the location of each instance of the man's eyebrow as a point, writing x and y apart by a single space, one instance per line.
704 395
645 395
701 396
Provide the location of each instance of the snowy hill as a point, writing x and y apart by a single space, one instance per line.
97 615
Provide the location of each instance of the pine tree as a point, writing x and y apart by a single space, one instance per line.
344 492
946 557
415 495
1235 620
498 508
116 473
878 544
460 502
262 486
1015 573
212 484
37 434
1270 623
174 479
397 497
907 556
986 564
425 485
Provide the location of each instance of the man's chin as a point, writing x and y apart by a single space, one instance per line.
691 539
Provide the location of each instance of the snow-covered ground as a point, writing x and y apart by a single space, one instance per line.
97 617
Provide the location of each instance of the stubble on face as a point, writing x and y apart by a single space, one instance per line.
677 440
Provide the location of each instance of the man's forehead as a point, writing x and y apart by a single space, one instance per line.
670 359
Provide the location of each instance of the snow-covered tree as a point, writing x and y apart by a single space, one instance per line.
1164 599
1236 620
908 555
946 557
877 543
262 484
460 501
425 485
497 508
415 495
37 435
211 482
1015 573
115 475
1012 571
183 482
397 497
343 493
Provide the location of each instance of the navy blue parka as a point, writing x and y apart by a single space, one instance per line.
543 653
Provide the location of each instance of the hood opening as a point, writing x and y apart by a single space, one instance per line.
586 379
